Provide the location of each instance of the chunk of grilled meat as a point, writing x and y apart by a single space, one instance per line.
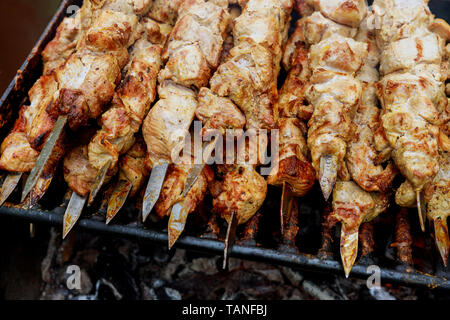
130 105
217 113
412 87
63 44
335 93
249 75
199 34
352 206
293 166
362 154
292 101
242 190
17 152
437 197
168 122
132 166
78 172
172 190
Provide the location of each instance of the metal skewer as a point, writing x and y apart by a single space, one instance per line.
153 189
328 174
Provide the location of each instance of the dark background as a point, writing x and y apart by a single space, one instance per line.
21 23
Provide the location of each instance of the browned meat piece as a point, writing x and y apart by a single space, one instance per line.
129 107
412 89
39 122
78 172
165 11
166 125
218 113
192 49
352 206
86 84
243 190
132 166
293 166
334 93
173 186
292 101
249 75
17 154
195 44
63 44
346 12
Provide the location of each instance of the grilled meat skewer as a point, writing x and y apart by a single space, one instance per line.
17 154
293 171
412 89
192 52
248 78
132 174
96 63
130 104
362 156
334 91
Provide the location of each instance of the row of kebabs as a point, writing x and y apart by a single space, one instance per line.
218 61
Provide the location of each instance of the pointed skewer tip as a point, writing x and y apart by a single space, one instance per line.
177 222
349 248
153 189
420 209
442 239
230 238
328 174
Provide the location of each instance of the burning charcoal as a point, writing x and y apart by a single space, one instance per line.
318 293
148 293
207 266
177 262
161 255
273 275
116 274
108 291
66 249
46 264
157 283
297 295
86 258
379 293
294 277
54 293
172 294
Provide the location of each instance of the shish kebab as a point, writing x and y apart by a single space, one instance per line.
134 166
334 92
293 170
120 123
192 51
412 90
217 114
87 80
248 78
17 155
363 199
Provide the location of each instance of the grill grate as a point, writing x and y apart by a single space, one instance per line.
260 239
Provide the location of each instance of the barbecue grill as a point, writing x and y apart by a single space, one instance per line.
261 239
